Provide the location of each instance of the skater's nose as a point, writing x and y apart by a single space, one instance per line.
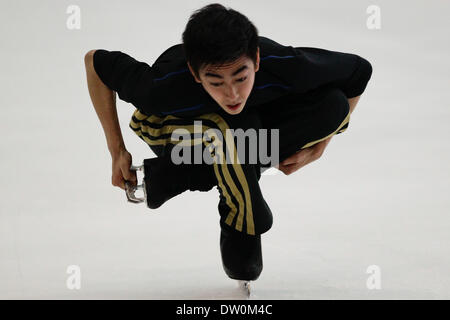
231 93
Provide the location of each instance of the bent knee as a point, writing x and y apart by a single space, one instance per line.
334 109
337 100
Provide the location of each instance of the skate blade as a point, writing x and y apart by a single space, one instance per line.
245 288
131 189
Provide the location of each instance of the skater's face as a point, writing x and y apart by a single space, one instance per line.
231 84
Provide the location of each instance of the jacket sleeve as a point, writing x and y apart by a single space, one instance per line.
131 79
320 67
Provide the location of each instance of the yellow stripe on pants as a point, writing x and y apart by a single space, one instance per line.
140 128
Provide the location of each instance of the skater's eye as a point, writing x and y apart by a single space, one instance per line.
239 80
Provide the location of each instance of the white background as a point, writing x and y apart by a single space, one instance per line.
378 196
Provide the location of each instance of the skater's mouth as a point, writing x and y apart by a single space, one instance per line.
233 107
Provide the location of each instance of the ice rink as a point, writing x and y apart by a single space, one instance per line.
379 195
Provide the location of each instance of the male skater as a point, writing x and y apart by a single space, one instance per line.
227 77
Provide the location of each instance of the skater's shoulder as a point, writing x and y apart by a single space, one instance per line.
171 54
270 48
172 66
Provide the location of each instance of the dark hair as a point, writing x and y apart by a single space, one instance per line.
217 35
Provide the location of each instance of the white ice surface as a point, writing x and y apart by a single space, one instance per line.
378 196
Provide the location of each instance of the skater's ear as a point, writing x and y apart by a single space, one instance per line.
257 60
193 73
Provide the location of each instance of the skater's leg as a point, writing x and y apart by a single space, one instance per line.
244 212
304 120
241 251
302 123
241 206
163 178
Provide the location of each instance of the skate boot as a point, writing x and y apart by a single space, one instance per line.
164 180
156 185
241 258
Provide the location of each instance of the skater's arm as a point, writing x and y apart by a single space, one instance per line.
352 102
320 67
133 81
104 102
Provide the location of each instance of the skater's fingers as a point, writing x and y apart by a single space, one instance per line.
297 157
303 157
289 169
129 175
117 178
118 181
286 170
301 162
290 160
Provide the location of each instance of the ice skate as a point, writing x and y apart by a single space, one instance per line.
157 183
131 189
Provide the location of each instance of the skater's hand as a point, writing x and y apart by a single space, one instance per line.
121 163
303 157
